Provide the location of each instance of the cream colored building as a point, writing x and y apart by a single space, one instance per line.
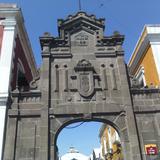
110 143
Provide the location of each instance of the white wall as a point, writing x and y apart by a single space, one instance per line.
154 38
156 53
5 71
6 56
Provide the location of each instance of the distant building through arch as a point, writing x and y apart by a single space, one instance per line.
74 154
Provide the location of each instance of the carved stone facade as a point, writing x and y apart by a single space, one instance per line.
83 78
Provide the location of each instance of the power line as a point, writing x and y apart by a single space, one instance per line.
74 126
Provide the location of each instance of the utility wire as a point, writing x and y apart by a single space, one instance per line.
74 126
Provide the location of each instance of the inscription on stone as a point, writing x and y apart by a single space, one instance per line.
80 40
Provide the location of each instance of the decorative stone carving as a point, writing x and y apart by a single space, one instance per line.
134 82
33 84
85 78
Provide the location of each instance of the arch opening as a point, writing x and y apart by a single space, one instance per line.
90 140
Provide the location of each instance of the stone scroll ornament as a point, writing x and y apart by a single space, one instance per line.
85 78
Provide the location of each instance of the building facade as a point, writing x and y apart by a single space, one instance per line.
83 78
111 148
144 63
96 154
17 65
74 154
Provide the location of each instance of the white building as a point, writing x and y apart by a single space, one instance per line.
96 154
17 65
73 154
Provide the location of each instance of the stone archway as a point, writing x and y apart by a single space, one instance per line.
83 78
116 121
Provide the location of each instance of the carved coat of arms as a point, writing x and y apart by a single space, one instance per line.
85 78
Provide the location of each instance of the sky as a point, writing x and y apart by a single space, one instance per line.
126 16
83 136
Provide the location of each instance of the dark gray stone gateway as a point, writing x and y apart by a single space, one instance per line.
83 78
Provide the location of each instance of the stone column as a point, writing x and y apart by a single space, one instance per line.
44 135
45 88
10 144
133 147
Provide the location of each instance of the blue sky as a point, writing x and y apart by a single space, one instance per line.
126 16
84 137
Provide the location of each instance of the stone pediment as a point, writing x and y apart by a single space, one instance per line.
80 21
81 18
81 28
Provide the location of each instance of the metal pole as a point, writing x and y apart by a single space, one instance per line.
80 5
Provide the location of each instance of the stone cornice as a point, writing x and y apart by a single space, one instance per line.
146 109
24 113
62 55
113 40
35 93
81 15
105 54
145 91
